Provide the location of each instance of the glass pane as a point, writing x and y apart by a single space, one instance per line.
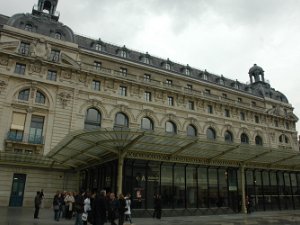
213 187
223 189
24 95
170 127
211 134
147 124
191 131
228 136
139 184
179 186
121 120
93 119
203 188
153 182
191 187
167 185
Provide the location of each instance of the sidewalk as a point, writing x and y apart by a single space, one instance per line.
24 216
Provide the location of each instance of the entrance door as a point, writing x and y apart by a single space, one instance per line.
17 190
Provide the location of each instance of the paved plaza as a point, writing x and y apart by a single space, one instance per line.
24 216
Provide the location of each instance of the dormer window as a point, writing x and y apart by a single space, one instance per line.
204 76
123 53
54 56
24 48
187 72
28 27
221 81
98 47
168 66
236 85
57 36
146 60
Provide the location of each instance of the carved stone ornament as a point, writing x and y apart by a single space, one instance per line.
82 78
3 85
64 97
35 68
66 74
3 61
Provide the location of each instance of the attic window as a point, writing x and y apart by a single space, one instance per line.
28 27
237 85
47 7
187 72
167 66
123 54
98 47
147 60
221 81
57 36
204 76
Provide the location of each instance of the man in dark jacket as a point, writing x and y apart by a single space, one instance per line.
78 207
99 208
37 204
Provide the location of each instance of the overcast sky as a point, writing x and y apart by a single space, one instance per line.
223 37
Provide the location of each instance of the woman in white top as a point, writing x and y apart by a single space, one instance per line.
87 207
128 211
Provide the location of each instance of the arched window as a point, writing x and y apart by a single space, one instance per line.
57 35
228 136
283 139
98 47
171 127
211 134
28 27
258 140
92 119
147 124
121 120
244 138
40 98
191 131
24 95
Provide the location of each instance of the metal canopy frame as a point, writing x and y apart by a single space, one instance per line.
85 148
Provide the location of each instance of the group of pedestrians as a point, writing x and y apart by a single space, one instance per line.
92 208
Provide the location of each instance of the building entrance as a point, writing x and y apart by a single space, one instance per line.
17 190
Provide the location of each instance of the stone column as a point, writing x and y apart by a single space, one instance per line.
243 193
121 157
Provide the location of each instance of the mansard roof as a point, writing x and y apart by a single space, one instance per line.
48 26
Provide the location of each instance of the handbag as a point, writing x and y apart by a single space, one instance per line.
84 216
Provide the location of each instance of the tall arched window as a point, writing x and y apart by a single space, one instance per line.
171 127
283 139
121 120
191 131
40 98
244 138
146 124
211 134
24 95
258 140
92 119
228 136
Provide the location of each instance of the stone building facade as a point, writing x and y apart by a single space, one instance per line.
82 113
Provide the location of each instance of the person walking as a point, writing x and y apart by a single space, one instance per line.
99 208
128 207
121 208
79 207
87 207
57 205
113 206
69 201
37 204
157 206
